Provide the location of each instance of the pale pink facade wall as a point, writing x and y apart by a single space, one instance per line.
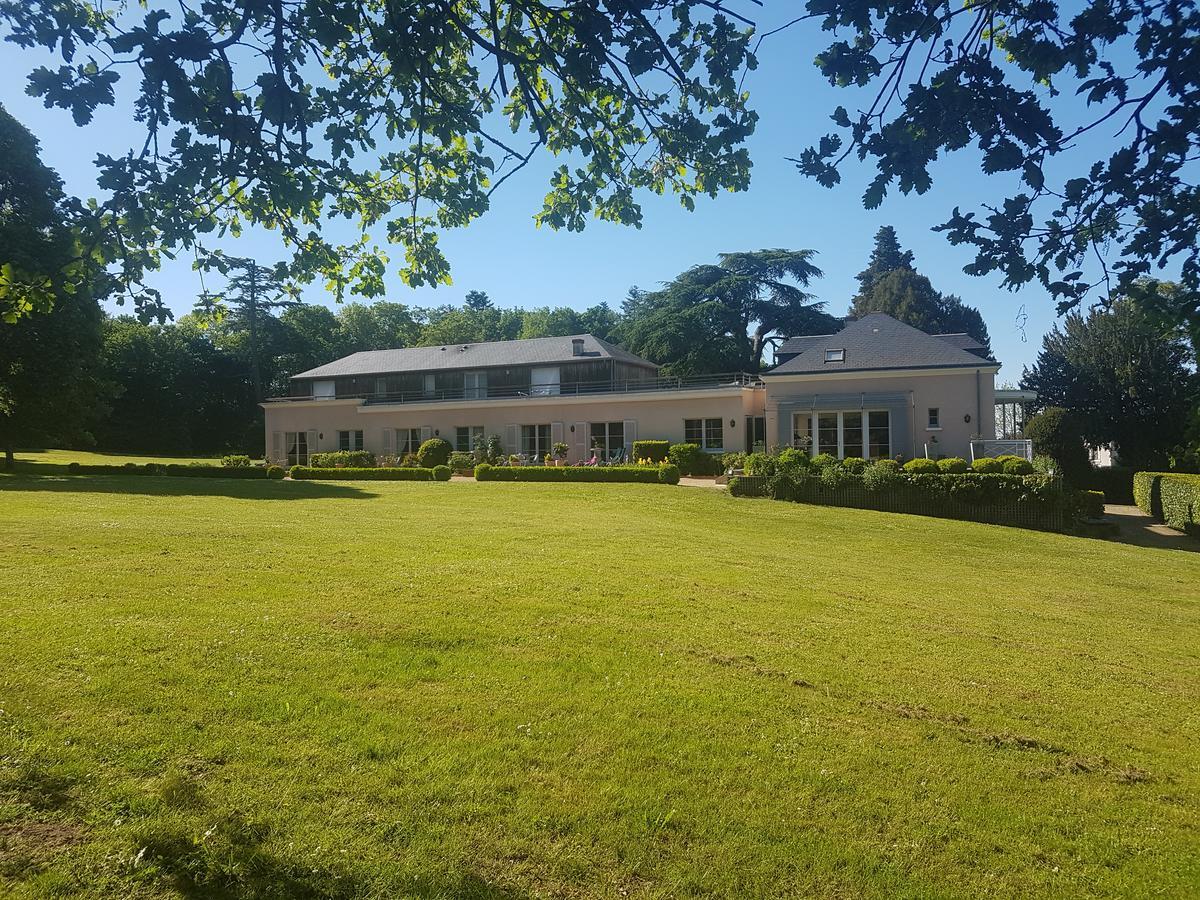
957 394
657 416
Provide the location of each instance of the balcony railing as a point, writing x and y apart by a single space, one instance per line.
538 391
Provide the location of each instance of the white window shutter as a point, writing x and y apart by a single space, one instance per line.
312 444
556 433
630 437
426 433
388 435
512 438
276 446
581 437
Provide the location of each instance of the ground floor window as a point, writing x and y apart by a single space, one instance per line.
350 440
408 440
708 434
865 433
608 438
296 444
468 437
535 440
756 434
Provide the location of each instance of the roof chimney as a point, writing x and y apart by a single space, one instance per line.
577 346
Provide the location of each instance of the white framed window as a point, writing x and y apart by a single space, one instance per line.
535 440
296 445
607 438
408 440
468 437
350 440
708 434
835 355
842 433
935 419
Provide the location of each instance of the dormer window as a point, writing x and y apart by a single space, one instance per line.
838 355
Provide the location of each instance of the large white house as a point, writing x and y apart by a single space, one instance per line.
877 388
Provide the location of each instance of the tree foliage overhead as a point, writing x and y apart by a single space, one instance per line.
889 284
996 74
724 317
405 114
1128 381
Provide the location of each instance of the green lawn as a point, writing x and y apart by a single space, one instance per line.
276 689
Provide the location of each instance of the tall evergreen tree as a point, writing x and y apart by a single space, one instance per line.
890 284
251 293
1127 380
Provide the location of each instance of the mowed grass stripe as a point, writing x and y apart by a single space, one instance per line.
509 690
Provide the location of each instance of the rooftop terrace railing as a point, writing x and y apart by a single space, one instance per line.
537 391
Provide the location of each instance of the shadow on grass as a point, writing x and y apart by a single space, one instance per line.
179 486
233 861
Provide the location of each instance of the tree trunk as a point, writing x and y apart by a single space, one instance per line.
10 461
756 349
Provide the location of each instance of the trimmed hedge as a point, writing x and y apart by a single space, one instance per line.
692 460
346 459
311 473
595 474
441 473
275 473
655 451
1028 501
1091 504
1171 497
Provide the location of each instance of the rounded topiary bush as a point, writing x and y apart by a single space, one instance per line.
855 465
668 473
952 465
433 453
882 475
1017 466
73 468
442 473
821 460
275 472
921 466
988 466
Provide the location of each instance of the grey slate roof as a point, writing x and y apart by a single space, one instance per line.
488 354
875 342
797 345
961 341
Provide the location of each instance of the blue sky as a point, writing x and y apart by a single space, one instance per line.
520 265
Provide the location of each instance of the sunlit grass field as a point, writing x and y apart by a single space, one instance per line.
51 462
275 689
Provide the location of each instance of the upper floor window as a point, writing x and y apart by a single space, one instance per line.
838 355
708 434
350 440
935 417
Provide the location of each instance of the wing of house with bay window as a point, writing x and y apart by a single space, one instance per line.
879 388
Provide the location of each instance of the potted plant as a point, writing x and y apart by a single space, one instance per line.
560 451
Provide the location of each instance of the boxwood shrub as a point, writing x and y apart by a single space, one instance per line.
1115 481
1091 504
921 466
610 474
442 473
987 465
275 473
691 460
434 452
952 465
313 473
655 451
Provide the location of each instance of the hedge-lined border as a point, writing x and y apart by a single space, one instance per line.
1023 501
1173 498
387 473
664 474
